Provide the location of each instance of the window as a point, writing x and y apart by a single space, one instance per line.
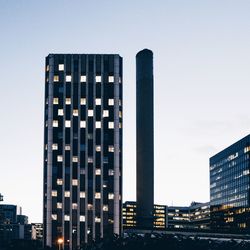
111 196
59 205
60 112
66 217
56 78
82 171
55 100
61 67
105 113
59 182
111 125
67 147
105 208
98 78
90 159
111 172
97 219
98 148
98 101
54 146
54 216
83 101
68 78
75 159
83 79
111 78
90 112
98 124
82 194
55 124
90 206
74 182
67 124
120 114
120 125
111 148
59 158
68 101
75 112
74 206
98 171
47 68
98 195
82 218
82 124
111 102
54 193
67 193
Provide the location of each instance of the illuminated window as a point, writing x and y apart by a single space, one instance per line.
111 125
67 147
59 158
59 205
98 171
67 193
55 123
56 78
60 112
111 102
105 113
111 172
90 112
55 100
82 124
97 219
111 79
74 182
111 196
61 67
83 101
75 159
68 78
105 208
90 159
67 124
47 68
54 193
68 101
98 124
97 195
54 146
59 181
66 217
98 78
120 125
98 148
120 114
98 101
83 78
54 216
90 206
82 194
111 148
82 218
75 112
74 206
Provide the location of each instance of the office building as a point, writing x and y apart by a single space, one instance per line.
9 213
39 231
144 139
229 187
130 216
82 148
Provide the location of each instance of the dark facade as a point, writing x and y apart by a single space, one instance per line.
144 138
130 216
229 187
82 148
9 213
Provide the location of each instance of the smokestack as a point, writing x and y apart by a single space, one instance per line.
144 138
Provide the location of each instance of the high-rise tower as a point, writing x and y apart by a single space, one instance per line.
145 138
82 148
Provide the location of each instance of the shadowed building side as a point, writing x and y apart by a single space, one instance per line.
144 138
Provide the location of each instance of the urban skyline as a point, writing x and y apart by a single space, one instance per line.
218 60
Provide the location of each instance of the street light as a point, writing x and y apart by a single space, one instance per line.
60 242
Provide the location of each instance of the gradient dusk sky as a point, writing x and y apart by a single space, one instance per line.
202 85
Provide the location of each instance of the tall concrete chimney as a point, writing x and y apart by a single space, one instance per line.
144 138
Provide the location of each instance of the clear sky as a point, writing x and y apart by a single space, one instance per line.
202 85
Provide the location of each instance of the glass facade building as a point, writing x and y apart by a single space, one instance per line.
229 187
82 148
